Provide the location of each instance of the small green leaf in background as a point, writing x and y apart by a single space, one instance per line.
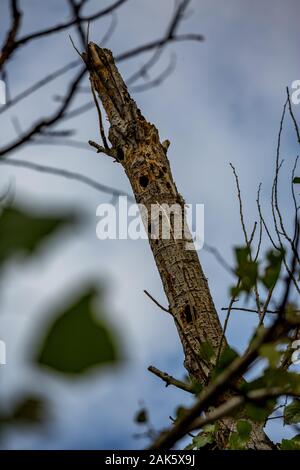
292 413
246 270
23 232
226 357
259 413
296 180
206 351
77 340
196 386
180 412
244 428
29 410
270 352
238 440
206 437
142 416
272 271
291 444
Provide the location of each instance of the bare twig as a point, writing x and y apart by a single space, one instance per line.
10 41
156 302
71 175
169 380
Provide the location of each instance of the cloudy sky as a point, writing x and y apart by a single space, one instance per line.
222 104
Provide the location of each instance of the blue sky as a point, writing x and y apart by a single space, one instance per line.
222 104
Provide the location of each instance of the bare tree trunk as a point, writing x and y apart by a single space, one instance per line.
136 145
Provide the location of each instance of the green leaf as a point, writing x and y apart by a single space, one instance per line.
197 386
206 351
291 444
238 440
244 429
206 437
273 268
292 412
23 232
180 412
141 417
270 352
246 270
260 413
277 378
235 442
226 357
296 180
77 340
29 410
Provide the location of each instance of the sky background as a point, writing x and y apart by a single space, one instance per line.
222 104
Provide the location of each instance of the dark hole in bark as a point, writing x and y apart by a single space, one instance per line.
144 180
164 168
188 315
168 185
120 154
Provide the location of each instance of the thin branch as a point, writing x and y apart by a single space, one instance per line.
169 380
215 252
157 80
76 9
39 84
10 41
251 310
158 43
70 175
69 24
240 203
101 128
292 115
156 302
232 300
263 219
48 122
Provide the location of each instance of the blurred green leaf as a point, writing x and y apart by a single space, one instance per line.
244 429
292 412
196 385
226 357
260 413
23 232
272 271
180 412
206 437
235 442
141 417
296 180
77 340
206 351
277 378
246 270
29 410
238 440
270 352
291 444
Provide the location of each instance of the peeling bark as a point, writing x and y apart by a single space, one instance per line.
137 147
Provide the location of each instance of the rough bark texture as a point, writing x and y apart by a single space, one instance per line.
136 145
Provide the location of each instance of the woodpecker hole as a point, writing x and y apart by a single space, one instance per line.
188 314
120 154
144 180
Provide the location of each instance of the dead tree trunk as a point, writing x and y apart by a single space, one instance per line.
137 147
